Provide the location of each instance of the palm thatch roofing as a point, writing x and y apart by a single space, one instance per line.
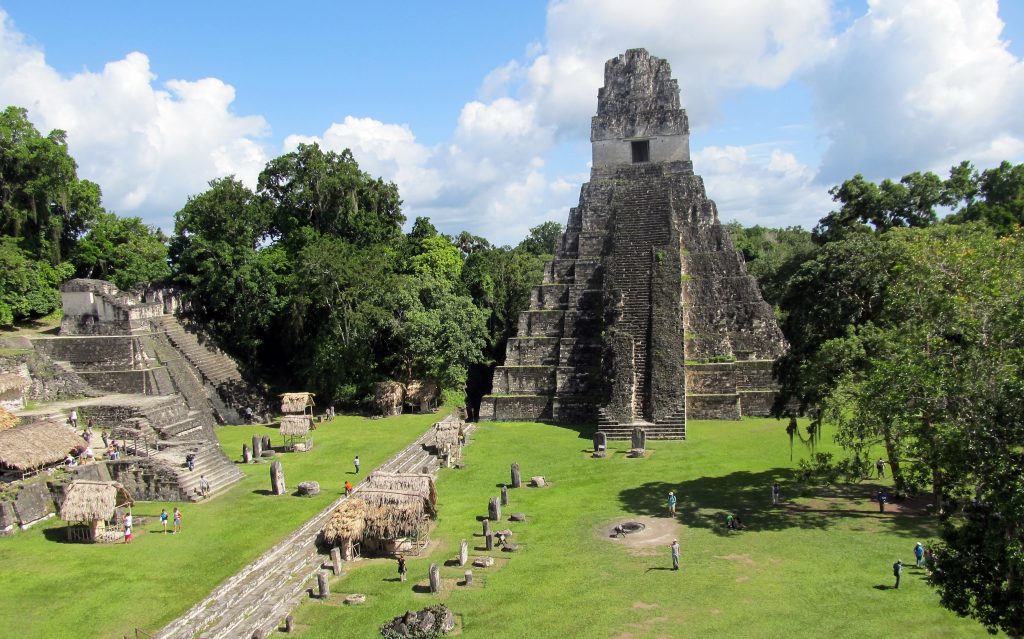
10 381
34 445
86 500
7 419
296 402
418 391
296 425
388 396
346 523
397 504
446 432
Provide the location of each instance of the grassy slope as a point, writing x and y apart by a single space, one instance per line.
54 589
792 574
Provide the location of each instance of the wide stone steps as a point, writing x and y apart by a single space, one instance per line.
620 433
213 365
257 598
210 462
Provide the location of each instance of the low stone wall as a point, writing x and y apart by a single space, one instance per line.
112 350
540 323
755 375
711 378
516 407
524 379
146 479
757 403
118 381
713 407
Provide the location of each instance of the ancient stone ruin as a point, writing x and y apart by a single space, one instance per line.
646 314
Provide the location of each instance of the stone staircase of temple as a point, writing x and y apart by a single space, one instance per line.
210 462
215 367
253 602
641 229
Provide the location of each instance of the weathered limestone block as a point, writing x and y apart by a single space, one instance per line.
435 578
463 552
336 564
323 585
309 488
504 495
246 455
537 481
639 439
469 578
516 482
483 562
277 484
257 446
493 509
517 517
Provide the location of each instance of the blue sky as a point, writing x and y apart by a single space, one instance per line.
480 111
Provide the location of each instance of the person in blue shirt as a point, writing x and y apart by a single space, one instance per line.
671 503
919 554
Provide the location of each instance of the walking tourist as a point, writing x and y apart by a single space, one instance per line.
402 570
671 503
675 554
204 486
880 467
190 461
163 519
128 528
73 418
357 464
776 493
348 487
882 498
177 521
897 571
919 554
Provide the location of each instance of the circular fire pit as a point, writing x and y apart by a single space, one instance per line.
628 528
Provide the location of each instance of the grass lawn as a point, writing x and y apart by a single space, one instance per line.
55 589
813 568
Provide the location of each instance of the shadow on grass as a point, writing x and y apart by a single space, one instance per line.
583 431
262 491
423 590
705 502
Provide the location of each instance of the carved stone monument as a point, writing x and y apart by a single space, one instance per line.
277 478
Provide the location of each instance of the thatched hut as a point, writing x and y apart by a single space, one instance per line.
345 527
7 419
422 395
301 403
30 447
389 397
399 508
447 438
89 506
12 391
297 432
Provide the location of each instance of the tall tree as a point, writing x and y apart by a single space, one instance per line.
543 239
122 250
42 201
326 192
28 287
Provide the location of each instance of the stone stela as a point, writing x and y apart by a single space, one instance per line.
646 314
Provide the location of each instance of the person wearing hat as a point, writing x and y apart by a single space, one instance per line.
919 554
675 554
897 571
672 503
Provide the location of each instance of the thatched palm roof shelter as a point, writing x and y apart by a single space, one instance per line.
298 427
88 501
346 524
398 507
92 503
32 446
297 402
7 419
389 397
423 395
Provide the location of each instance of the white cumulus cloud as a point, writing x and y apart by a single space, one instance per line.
147 145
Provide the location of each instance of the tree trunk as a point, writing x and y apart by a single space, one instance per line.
894 461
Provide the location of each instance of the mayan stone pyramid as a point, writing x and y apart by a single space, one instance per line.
646 314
